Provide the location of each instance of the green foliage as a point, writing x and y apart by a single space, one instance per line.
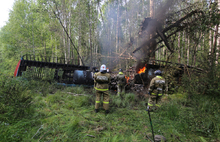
205 82
128 100
68 115
41 80
202 89
76 90
171 111
60 74
15 98
32 108
33 29
45 74
130 97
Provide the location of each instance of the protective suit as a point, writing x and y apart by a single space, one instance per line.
101 81
156 90
121 82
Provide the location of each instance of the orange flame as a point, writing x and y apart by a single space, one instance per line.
142 70
127 78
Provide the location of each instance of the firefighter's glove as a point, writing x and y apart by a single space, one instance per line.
148 108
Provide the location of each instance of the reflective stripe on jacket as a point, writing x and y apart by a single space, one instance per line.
157 86
102 80
121 80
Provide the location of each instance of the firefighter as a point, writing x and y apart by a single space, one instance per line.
121 82
102 80
156 90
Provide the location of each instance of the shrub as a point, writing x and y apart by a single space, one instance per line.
205 82
15 98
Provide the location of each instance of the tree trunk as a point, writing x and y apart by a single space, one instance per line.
217 38
51 38
183 49
45 49
117 28
188 42
33 40
108 36
80 36
69 44
210 41
90 34
197 49
179 56
64 45
56 52
152 16
64 17
142 7
117 32
151 8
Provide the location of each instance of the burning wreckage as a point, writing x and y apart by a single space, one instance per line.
151 36
157 33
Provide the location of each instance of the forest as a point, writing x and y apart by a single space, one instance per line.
122 34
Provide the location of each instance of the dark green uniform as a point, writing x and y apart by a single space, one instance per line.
102 81
121 81
156 89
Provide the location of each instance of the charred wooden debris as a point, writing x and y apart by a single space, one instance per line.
155 34
139 77
161 31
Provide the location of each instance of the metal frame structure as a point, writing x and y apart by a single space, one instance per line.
68 68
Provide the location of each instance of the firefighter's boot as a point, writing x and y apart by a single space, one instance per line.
107 112
150 109
96 110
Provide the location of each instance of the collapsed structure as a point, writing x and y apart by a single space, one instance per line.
158 33
65 73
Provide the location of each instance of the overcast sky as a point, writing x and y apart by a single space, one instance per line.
5 7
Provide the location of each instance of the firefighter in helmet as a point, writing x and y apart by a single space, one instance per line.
121 82
102 80
156 90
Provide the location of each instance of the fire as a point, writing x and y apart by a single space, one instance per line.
142 70
127 78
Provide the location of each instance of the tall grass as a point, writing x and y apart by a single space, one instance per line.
68 114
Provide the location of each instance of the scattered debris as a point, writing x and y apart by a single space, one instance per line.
41 127
43 135
75 94
159 138
99 129
91 136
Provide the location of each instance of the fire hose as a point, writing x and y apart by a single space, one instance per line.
150 122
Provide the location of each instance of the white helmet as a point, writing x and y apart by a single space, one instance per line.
103 68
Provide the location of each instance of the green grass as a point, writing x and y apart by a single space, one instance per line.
64 117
